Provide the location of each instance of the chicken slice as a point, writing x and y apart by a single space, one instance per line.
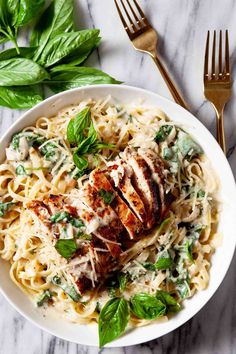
121 176
131 223
156 166
110 226
144 185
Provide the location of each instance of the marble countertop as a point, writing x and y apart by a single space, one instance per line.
182 26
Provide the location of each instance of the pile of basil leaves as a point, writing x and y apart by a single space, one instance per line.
55 54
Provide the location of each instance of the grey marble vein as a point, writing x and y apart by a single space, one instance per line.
182 26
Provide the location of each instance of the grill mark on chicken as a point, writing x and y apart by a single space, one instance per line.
123 184
156 166
127 217
144 185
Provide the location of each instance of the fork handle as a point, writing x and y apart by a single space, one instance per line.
220 130
170 84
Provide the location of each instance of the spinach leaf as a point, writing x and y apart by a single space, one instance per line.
4 207
20 171
25 52
183 289
171 303
77 126
163 133
44 297
113 320
56 19
164 261
64 44
21 71
146 306
70 290
187 146
108 197
66 247
48 150
27 10
20 97
65 77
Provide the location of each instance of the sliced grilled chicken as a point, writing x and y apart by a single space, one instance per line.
121 176
144 185
41 210
156 166
131 223
110 225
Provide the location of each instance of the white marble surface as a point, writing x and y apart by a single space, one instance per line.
182 26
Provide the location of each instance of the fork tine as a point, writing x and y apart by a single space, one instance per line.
227 69
206 56
220 55
126 27
144 18
133 12
128 15
213 72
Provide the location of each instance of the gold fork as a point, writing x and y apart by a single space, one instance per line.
144 39
217 82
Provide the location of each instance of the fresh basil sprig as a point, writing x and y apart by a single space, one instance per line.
113 320
81 132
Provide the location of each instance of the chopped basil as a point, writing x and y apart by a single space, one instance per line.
149 266
44 297
106 196
188 249
171 303
20 171
163 133
123 279
147 306
183 289
68 289
15 141
113 320
4 207
78 223
187 146
66 247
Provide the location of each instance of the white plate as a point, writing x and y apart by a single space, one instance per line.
220 261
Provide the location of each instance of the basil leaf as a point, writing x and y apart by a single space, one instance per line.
113 320
68 289
170 302
60 216
20 97
4 207
21 72
20 171
147 306
106 196
65 77
77 57
163 133
44 297
183 289
66 43
77 125
25 52
66 248
56 19
80 162
27 10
